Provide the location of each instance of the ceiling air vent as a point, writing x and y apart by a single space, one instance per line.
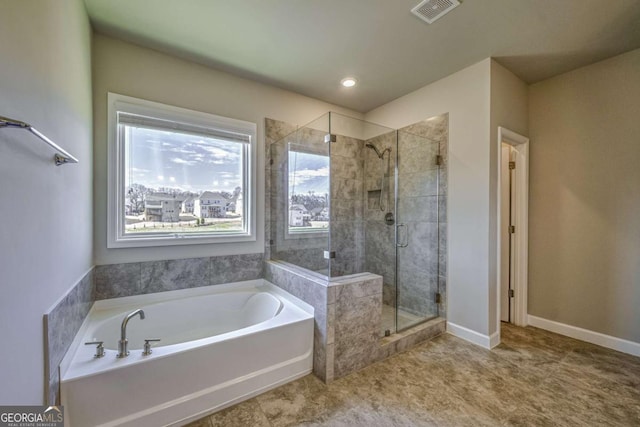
432 10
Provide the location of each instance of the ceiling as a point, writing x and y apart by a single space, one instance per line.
308 46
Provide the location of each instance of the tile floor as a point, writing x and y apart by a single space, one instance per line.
534 378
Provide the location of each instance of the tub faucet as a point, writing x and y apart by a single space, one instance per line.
123 343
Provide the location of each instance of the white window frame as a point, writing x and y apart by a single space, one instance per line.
116 237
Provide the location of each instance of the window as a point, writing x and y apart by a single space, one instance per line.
178 176
308 191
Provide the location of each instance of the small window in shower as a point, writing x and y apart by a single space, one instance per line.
307 192
178 176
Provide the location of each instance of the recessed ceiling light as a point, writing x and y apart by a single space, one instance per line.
348 82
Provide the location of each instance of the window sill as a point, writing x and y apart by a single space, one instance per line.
164 240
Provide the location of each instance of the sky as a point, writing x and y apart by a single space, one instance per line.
308 172
189 162
158 158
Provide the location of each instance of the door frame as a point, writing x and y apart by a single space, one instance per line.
520 145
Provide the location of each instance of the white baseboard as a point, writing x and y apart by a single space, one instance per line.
597 338
474 337
494 339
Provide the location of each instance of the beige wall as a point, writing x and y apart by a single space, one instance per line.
46 227
584 225
509 109
131 70
465 95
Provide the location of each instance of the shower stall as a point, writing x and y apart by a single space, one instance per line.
347 197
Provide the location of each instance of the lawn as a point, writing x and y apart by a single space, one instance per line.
211 224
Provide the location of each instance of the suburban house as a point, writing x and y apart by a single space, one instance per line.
187 205
320 214
162 208
299 216
210 204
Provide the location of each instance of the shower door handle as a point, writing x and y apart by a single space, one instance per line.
402 245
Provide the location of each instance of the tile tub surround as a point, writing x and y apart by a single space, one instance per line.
348 317
61 324
533 378
121 280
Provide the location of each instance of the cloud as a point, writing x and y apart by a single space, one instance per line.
181 161
180 150
220 154
229 175
301 176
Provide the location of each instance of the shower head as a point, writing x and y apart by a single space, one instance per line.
373 147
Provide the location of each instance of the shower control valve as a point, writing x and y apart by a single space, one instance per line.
147 346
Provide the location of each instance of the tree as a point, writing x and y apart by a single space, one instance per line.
136 195
310 201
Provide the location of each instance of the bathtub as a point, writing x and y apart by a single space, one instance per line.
219 345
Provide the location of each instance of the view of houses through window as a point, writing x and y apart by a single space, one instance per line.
181 182
308 192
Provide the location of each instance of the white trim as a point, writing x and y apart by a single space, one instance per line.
494 339
474 337
115 159
619 344
520 145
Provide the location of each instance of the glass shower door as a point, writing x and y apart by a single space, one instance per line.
417 239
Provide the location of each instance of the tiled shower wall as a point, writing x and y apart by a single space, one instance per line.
379 237
422 189
422 204
304 251
359 236
347 176
347 215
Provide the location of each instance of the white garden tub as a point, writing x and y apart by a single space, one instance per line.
219 345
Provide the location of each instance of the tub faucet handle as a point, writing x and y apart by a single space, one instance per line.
147 346
99 348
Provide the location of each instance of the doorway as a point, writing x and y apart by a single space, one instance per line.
512 211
